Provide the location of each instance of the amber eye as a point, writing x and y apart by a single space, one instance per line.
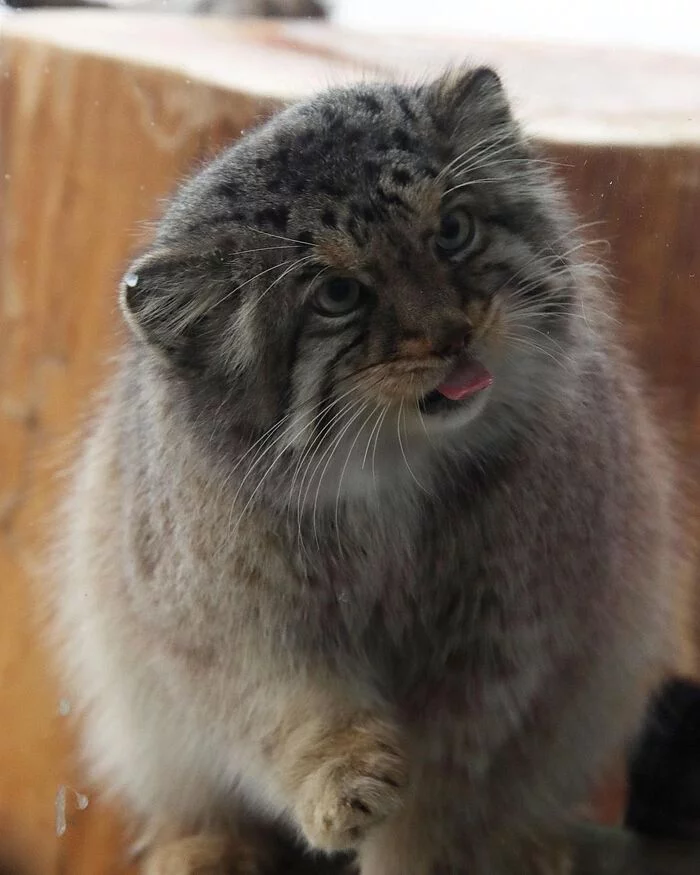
338 296
457 232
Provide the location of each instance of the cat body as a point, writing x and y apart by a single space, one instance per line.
372 539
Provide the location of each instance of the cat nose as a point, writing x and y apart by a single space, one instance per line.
453 340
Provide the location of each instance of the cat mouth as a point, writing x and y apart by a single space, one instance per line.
464 382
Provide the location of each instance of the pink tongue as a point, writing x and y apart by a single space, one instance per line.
465 380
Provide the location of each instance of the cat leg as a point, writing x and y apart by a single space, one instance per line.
204 854
173 851
345 773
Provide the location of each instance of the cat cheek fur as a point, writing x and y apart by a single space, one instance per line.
415 661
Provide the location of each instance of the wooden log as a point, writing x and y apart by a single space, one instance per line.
101 114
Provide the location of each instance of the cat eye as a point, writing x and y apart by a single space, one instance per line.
338 296
457 232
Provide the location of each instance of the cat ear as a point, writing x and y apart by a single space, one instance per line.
468 99
162 302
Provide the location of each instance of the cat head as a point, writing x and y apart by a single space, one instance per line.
382 262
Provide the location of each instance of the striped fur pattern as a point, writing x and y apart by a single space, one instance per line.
300 589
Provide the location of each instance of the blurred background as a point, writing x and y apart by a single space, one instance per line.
673 25
104 110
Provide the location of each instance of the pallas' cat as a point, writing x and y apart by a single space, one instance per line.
371 540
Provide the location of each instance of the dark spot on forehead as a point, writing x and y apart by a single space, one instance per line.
372 170
401 176
353 136
329 218
393 199
275 184
368 214
298 184
336 121
276 217
260 163
403 141
370 102
439 123
331 187
306 137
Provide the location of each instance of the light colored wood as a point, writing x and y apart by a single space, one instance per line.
101 114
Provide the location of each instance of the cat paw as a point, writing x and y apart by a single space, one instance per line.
198 855
356 788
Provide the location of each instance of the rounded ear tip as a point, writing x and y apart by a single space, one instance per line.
484 75
471 83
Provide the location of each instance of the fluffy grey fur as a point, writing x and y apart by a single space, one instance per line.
302 589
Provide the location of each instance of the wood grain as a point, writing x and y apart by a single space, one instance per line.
101 114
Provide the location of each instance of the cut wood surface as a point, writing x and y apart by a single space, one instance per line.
101 113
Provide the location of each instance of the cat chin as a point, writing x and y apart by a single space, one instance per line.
363 469
452 417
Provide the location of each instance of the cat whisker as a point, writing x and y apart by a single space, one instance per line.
308 475
292 267
263 249
262 480
399 420
313 444
478 150
387 407
532 167
309 454
330 452
342 473
471 182
268 445
485 158
548 338
464 156
542 258
535 347
424 426
266 438
278 236
378 410
247 282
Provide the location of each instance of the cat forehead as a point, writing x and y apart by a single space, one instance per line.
314 163
344 135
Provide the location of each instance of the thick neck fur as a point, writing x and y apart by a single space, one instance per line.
330 505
